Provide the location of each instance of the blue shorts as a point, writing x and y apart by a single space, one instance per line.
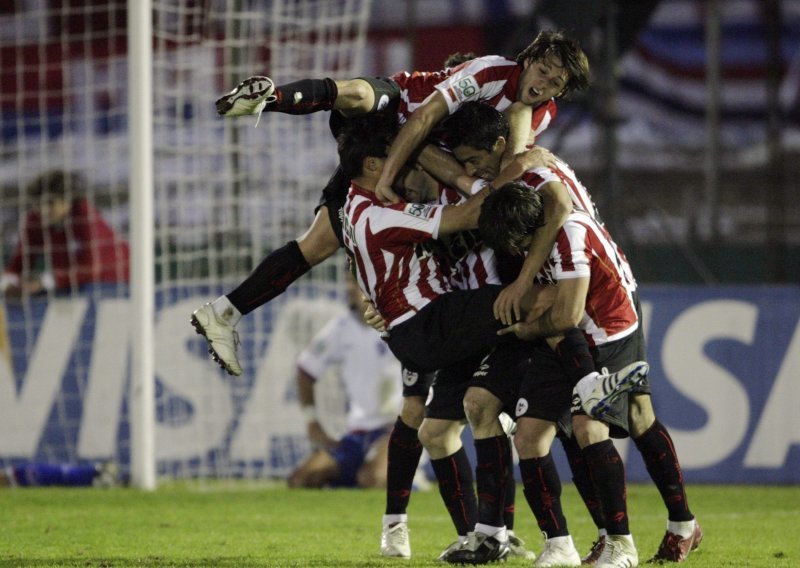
351 452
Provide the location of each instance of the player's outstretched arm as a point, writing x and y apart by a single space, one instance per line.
557 207
412 134
519 118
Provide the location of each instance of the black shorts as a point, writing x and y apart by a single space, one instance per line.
454 327
500 372
545 392
416 384
335 191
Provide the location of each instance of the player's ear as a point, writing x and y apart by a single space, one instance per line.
500 144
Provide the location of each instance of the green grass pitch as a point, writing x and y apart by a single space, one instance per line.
251 525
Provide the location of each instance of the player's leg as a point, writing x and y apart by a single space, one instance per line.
655 444
217 320
318 469
608 477
403 454
372 473
543 408
44 474
350 97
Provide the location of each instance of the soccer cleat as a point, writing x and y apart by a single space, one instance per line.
223 341
558 551
517 548
618 552
480 549
594 553
395 542
248 97
453 546
599 393
675 548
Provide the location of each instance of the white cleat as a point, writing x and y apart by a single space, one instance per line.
223 341
517 548
618 552
598 393
558 551
248 97
395 542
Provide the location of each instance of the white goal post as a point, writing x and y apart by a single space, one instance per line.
200 200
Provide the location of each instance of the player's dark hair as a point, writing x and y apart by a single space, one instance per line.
364 136
555 43
509 215
458 58
56 183
476 125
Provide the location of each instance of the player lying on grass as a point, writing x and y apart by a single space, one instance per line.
39 474
552 66
597 292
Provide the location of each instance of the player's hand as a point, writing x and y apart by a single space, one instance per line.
386 194
521 329
372 318
508 305
536 157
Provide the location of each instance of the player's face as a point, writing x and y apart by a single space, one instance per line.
481 163
541 80
418 186
53 210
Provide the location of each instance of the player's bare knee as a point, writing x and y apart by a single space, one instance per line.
413 411
641 414
355 96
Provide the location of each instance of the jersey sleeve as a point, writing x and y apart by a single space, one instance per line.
478 79
571 256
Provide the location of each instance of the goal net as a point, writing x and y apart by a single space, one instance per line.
225 195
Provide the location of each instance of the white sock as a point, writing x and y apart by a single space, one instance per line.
499 533
684 529
226 310
389 520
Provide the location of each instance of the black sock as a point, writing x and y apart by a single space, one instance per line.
305 96
658 453
271 277
404 453
574 356
543 493
511 496
494 459
608 477
454 474
582 481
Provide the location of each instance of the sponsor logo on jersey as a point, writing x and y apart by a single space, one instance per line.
522 407
465 88
419 210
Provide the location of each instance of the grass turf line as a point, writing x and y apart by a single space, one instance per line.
245 526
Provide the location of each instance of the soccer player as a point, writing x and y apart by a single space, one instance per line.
597 292
368 372
392 255
552 66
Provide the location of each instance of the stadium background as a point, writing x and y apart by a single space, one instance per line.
693 175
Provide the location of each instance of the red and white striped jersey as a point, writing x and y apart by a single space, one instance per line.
583 249
392 252
472 265
562 173
491 79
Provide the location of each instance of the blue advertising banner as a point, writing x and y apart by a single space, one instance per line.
724 369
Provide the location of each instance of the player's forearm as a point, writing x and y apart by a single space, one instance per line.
407 140
557 209
445 168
